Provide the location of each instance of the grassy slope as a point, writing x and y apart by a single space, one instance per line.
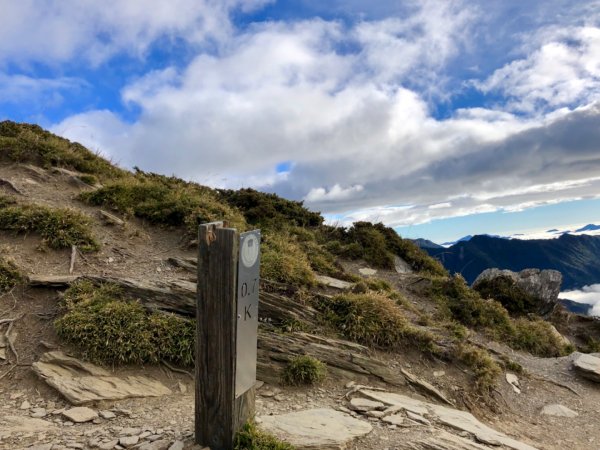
296 245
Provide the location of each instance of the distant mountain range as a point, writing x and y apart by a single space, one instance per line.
553 233
577 257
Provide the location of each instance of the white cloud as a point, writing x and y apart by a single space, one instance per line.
336 193
590 295
284 92
410 47
54 31
349 104
23 89
440 205
564 71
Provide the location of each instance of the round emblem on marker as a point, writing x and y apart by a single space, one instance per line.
249 250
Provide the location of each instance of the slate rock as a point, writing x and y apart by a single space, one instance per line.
323 428
367 271
82 382
363 405
333 282
177 445
108 415
160 444
557 410
401 265
587 366
128 441
80 414
41 447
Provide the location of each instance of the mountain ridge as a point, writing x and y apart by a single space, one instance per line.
577 257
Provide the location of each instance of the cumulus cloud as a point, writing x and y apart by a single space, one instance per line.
359 143
564 71
54 31
590 295
350 104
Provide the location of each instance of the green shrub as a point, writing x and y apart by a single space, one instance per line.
372 319
165 201
374 245
511 365
112 329
26 143
89 179
486 370
539 338
378 245
506 291
466 306
459 332
321 261
304 370
251 438
174 337
410 252
58 227
283 260
377 284
9 275
6 200
590 345
269 210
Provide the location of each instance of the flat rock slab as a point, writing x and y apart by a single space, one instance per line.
364 404
441 439
80 414
81 382
367 272
457 419
324 429
333 282
587 366
20 424
398 400
558 411
465 421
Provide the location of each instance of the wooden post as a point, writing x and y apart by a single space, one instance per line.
219 414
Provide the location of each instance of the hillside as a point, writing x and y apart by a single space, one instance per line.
576 257
97 285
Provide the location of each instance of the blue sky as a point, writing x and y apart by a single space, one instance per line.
438 117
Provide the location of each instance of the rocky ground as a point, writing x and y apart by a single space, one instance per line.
550 406
33 416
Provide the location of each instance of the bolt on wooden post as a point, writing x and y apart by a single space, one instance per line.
226 332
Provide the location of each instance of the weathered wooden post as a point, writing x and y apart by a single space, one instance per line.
226 332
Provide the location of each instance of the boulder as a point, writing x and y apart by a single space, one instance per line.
324 429
536 289
401 265
587 366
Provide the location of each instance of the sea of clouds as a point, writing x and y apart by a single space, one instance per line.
589 295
